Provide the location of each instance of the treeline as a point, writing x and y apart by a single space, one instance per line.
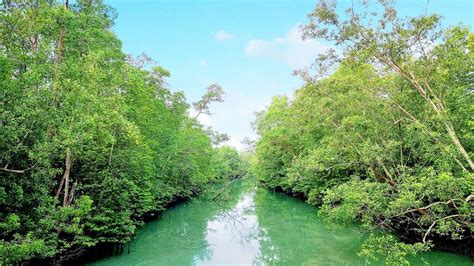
91 139
383 133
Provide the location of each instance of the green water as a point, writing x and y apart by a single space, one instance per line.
250 225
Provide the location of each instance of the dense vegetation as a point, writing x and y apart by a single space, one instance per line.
383 133
92 140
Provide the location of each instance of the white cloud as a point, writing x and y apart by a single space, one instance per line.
223 36
291 49
233 117
203 62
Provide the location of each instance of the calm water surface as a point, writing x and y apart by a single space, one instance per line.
250 226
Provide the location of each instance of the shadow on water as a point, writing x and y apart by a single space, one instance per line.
251 226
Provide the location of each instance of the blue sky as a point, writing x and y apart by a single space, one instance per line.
248 47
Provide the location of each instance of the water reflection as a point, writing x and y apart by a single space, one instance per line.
249 226
292 234
232 235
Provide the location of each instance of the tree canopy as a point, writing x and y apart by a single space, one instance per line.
382 134
92 140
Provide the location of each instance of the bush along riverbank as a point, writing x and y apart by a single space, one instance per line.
382 133
92 140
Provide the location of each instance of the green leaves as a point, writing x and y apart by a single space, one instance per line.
356 200
214 93
390 248
92 140
385 140
23 248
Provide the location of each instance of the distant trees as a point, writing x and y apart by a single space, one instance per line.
385 138
230 164
91 140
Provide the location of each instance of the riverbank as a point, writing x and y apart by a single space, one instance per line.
464 247
251 225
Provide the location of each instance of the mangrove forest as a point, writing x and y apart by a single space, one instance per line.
106 160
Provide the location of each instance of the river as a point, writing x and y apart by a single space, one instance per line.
250 225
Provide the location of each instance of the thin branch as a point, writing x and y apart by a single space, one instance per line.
17 171
223 189
436 203
433 224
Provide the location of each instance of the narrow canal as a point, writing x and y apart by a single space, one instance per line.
250 225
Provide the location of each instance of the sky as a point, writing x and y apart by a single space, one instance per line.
249 47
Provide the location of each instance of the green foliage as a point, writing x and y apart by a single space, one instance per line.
384 138
92 139
229 163
390 248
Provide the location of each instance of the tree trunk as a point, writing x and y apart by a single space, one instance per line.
438 107
61 37
67 172
457 143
